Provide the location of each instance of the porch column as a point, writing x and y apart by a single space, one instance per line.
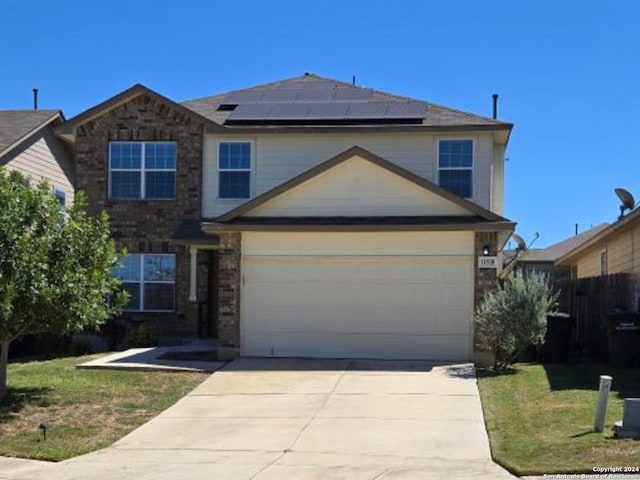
193 252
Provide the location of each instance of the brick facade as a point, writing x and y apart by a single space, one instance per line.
485 278
229 283
146 226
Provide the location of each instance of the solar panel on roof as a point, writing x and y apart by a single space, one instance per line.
328 110
323 95
251 111
312 111
367 110
406 110
288 111
352 94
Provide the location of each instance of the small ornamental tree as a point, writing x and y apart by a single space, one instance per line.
514 316
55 266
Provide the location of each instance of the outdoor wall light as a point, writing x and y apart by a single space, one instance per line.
485 250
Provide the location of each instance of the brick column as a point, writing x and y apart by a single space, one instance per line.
229 296
485 278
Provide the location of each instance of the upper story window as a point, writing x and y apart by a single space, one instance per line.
150 281
234 170
142 170
455 166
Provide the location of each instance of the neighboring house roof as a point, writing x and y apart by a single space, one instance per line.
628 220
557 250
478 218
312 100
123 97
18 125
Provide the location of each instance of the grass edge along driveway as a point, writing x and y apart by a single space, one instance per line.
86 410
540 418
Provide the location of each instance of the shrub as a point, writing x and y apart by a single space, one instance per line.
80 347
514 316
141 336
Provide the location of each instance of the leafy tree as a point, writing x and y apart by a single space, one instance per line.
55 266
514 316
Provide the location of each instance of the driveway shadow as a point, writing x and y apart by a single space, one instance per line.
248 364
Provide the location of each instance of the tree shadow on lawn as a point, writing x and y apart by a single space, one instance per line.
17 399
586 376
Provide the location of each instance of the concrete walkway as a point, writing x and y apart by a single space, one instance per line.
151 359
303 419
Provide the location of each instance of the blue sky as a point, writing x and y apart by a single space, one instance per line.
567 73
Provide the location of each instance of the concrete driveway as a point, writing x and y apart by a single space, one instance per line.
264 419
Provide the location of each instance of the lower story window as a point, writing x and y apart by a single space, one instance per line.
150 281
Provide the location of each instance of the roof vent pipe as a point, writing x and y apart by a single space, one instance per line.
495 106
35 98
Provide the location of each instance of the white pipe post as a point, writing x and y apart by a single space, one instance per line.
601 405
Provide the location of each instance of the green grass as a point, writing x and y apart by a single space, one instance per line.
86 409
540 418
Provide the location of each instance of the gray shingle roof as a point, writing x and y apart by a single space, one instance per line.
557 250
317 92
17 124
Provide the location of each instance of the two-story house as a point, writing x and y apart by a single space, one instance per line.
305 217
28 144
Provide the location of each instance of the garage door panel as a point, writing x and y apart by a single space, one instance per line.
441 347
357 306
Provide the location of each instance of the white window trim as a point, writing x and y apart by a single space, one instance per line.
473 160
143 170
141 283
251 170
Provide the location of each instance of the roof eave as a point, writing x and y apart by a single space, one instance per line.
57 115
67 129
568 258
218 227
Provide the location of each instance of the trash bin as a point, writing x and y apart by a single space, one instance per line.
623 338
557 340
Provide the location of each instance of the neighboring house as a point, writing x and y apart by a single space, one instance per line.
615 249
543 260
29 145
305 217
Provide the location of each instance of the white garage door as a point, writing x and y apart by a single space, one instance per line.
366 295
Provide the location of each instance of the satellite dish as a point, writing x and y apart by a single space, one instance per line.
628 202
521 245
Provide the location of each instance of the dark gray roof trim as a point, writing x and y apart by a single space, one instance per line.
124 97
190 233
379 161
357 224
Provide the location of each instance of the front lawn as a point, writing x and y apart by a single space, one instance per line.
86 409
540 418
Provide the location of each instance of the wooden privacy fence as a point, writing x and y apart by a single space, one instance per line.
586 300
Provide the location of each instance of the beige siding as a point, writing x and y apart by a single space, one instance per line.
278 158
497 180
340 243
357 187
589 264
42 157
622 250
